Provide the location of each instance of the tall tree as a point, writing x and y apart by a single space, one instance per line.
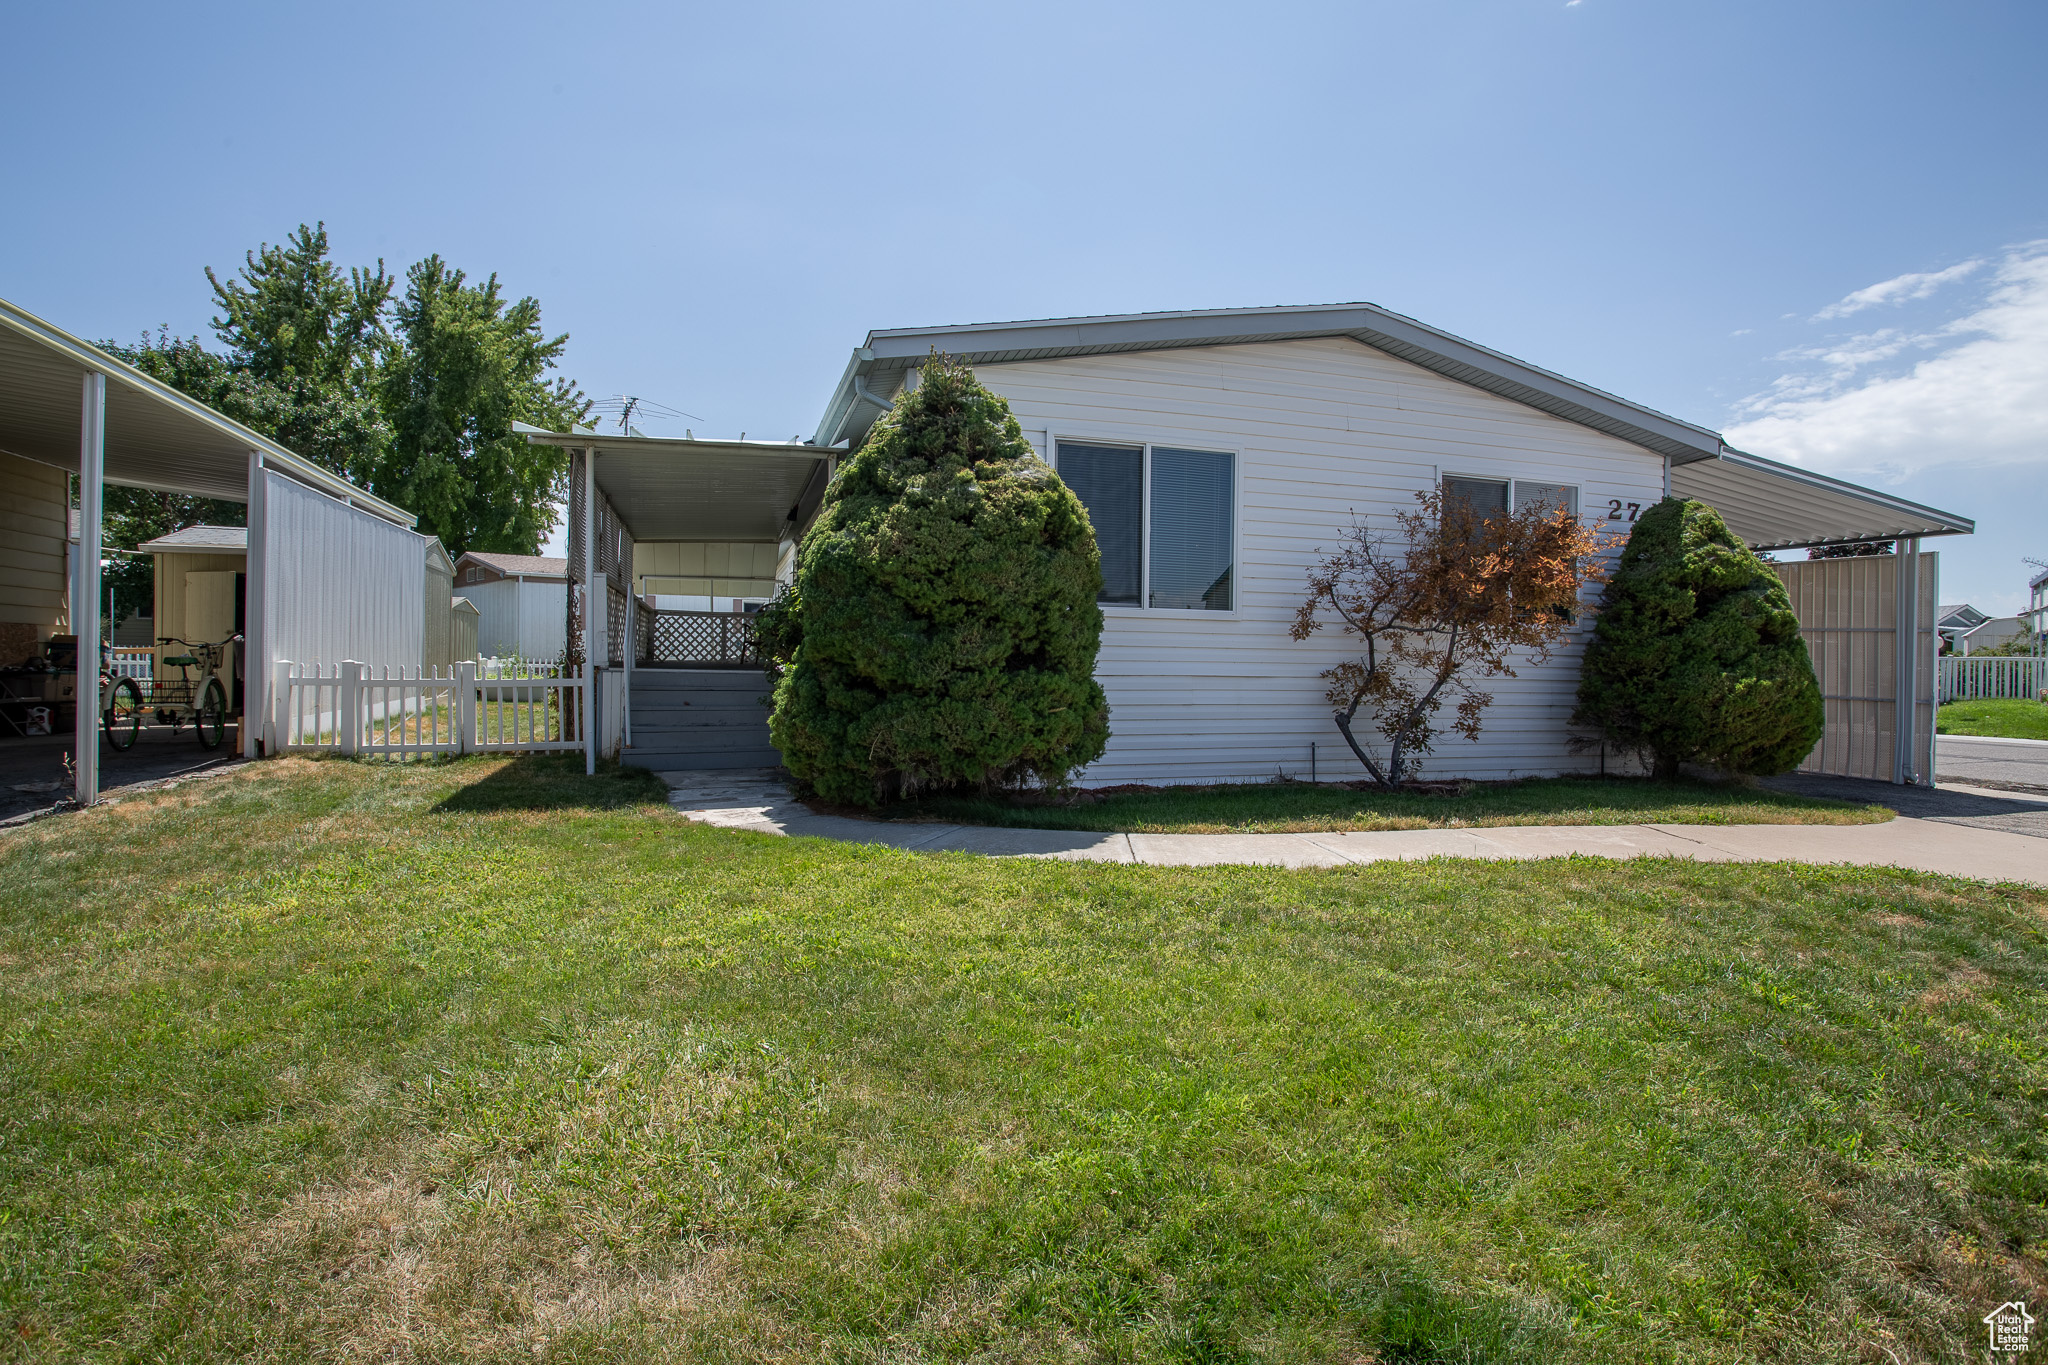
466 366
313 338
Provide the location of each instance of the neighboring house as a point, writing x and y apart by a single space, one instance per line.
2037 605
1991 633
521 602
1956 621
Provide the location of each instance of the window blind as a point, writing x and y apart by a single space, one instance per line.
1110 482
1191 535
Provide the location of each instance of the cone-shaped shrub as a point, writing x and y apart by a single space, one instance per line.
946 625
1696 655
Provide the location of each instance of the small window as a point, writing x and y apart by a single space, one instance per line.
1164 522
474 574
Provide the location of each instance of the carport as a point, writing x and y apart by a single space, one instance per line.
67 406
1868 621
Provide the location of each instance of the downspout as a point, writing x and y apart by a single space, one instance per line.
867 395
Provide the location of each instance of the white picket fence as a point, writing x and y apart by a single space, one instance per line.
1972 677
139 664
353 708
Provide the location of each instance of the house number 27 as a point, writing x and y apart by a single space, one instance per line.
1615 506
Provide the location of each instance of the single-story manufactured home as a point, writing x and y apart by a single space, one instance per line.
1220 454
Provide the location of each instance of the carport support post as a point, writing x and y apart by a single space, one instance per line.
590 611
85 591
1906 554
257 705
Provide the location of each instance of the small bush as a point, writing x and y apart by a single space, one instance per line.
1696 656
943 631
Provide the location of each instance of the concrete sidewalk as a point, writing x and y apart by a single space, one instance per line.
760 802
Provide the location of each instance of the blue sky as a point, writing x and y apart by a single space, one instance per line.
1817 226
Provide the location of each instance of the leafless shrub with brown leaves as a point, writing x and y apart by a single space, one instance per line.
1443 597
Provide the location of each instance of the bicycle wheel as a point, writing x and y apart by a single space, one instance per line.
123 716
210 717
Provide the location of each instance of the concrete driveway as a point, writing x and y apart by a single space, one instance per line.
2021 763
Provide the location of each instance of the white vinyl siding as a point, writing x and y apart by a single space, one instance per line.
1322 429
33 563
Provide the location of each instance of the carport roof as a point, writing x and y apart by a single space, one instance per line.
665 489
156 437
1776 506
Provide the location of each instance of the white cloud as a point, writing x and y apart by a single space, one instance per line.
1898 289
1977 395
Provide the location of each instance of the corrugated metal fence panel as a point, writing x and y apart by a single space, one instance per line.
1848 616
342 584
437 648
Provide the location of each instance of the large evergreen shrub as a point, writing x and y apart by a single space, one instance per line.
1696 656
945 621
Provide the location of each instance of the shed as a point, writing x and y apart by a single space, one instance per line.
520 601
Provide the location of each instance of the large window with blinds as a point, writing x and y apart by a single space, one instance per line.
1165 521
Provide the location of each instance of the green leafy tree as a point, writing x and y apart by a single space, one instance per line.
945 624
312 341
1696 655
467 365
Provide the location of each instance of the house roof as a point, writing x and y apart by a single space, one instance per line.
532 566
201 540
879 363
1769 504
156 437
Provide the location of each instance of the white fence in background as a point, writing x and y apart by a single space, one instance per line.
139 664
353 708
1973 677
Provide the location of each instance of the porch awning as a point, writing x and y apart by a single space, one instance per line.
1777 506
156 437
664 489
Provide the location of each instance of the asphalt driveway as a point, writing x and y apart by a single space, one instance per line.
2020 763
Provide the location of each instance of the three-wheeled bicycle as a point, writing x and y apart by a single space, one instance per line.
186 699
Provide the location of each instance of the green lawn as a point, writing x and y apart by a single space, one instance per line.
487 1060
2001 719
1300 808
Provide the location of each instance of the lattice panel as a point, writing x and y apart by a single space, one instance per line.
615 627
704 637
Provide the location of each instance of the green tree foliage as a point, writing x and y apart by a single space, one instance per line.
467 366
945 621
1696 655
412 399
312 340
